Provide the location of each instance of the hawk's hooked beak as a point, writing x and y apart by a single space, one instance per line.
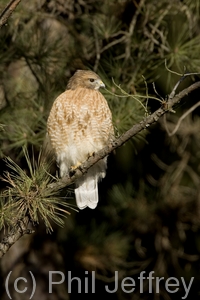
100 83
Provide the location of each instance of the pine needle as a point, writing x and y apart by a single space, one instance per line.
28 193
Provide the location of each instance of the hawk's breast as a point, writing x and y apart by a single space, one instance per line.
80 123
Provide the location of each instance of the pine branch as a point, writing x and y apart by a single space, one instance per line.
8 10
19 230
151 119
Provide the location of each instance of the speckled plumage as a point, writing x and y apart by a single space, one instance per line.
79 124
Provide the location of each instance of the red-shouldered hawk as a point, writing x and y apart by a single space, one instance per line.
79 124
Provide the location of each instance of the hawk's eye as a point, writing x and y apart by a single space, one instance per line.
91 80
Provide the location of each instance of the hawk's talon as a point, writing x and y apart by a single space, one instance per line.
76 166
90 154
72 170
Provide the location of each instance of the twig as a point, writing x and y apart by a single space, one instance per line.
8 10
98 54
181 119
131 28
173 92
113 43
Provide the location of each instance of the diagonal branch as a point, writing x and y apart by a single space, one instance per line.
166 107
19 230
8 10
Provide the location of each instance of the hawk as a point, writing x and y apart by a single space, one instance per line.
79 124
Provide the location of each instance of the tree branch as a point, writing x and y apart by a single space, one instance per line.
166 107
14 234
8 10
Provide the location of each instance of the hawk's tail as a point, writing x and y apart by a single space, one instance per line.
86 191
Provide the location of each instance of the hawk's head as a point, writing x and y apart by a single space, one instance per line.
85 79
